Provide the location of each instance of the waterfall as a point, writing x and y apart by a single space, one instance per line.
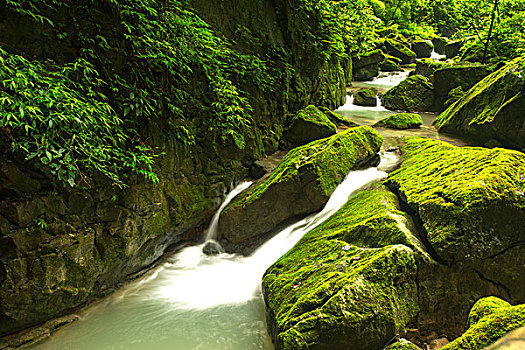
211 245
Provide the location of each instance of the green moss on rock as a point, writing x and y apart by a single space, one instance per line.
414 94
492 109
422 48
336 118
390 64
309 124
497 319
484 307
403 344
400 50
366 97
426 67
301 183
401 121
366 66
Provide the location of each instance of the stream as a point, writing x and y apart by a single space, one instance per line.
197 301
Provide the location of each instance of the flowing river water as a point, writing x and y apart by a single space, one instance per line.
195 301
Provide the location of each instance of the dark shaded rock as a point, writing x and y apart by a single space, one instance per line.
454 95
492 109
257 170
452 48
490 319
212 247
422 48
414 94
439 44
308 125
366 66
449 77
366 97
474 53
426 67
390 64
300 185
400 50
401 121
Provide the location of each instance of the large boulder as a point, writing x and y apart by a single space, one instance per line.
449 77
469 206
390 64
336 118
492 110
414 94
366 66
366 97
309 124
489 319
452 48
300 185
401 121
422 48
400 50
439 44
328 293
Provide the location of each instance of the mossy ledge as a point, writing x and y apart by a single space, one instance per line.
300 185
401 121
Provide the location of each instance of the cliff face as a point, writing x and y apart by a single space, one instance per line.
62 247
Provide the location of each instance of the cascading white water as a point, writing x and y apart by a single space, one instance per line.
210 244
436 56
196 301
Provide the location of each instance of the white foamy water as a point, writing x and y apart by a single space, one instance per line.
436 56
196 301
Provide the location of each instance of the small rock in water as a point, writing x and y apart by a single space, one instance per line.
212 248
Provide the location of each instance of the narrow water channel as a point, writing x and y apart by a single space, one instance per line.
195 301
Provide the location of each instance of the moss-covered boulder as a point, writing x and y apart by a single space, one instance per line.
514 340
400 50
414 94
309 124
439 44
300 185
401 121
469 206
452 48
336 118
366 97
449 77
403 344
366 66
390 64
492 110
490 319
422 48
454 95
426 67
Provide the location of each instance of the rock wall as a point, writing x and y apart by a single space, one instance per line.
61 248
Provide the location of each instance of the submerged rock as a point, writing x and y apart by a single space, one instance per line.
492 110
400 50
366 97
366 66
422 48
308 125
490 319
414 94
300 185
401 121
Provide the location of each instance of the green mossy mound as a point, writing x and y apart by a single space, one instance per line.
449 77
401 121
403 344
496 319
400 50
514 340
414 94
422 48
331 295
328 293
337 119
301 184
366 66
366 97
492 109
308 125
454 95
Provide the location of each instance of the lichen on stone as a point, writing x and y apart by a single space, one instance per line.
401 121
